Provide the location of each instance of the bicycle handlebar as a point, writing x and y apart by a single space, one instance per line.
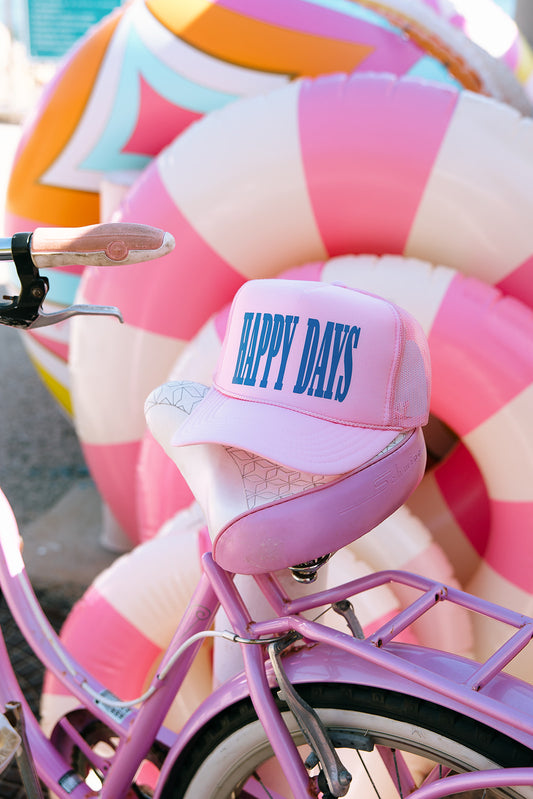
107 244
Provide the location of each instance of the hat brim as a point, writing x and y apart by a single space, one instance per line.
296 440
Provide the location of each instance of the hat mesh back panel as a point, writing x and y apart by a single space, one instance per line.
411 395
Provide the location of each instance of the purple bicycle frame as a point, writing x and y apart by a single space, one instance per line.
480 690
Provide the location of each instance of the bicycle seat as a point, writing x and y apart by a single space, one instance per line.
263 516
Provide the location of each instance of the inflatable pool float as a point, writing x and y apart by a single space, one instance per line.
482 386
118 631
322 167
452 499
150 69
478 341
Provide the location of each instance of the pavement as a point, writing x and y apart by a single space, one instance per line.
42 469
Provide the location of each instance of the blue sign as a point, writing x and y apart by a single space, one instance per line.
55 25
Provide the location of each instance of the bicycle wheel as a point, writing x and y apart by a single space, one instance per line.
412 740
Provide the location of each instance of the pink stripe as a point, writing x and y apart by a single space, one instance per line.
509 551
368 146
161 489
311 271
114 468
298 15
57 347
173 296
107 645
470 508
13 223
158 122
512 55
519 283
480 353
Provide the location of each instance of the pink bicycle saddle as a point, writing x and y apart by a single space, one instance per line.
263 516
317 522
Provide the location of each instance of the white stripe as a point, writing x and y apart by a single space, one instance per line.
147 589
246 159
53 707
108 386
394 542
490 585
476 211
502 447
488 25
198 361
414 285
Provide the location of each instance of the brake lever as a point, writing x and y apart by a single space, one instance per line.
106 244
25 310
45 319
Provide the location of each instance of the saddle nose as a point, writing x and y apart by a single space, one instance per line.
227 482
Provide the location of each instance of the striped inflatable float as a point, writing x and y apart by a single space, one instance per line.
452 499
121 626
123 623
152 68
479 343
482 360
367 163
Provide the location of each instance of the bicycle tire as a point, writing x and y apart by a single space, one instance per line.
216 763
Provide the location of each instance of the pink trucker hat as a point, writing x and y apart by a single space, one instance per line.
314 376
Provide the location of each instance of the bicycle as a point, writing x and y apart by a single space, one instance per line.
311 696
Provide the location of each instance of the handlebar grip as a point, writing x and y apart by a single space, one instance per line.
107 244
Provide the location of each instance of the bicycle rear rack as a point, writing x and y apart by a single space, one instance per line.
472 687
470 691
434 593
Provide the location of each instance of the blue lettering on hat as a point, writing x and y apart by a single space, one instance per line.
250 368
262 336
243 346
351 344
273 347
308 356
288 335
341 331
316 369
265 337
264 341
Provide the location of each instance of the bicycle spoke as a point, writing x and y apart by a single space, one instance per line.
398 769
437 773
